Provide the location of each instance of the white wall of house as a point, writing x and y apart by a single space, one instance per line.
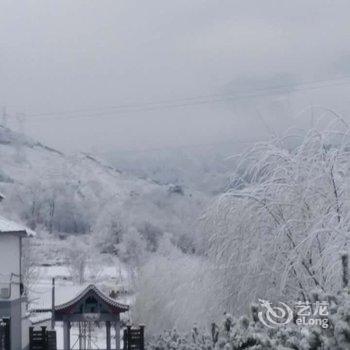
10 262
25 331
13 307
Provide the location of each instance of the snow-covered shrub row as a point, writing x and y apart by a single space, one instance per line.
249 333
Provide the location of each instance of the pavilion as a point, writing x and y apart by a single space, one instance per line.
90 306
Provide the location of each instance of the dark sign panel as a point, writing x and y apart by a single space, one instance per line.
5 334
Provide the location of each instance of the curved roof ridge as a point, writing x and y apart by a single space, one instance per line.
84 292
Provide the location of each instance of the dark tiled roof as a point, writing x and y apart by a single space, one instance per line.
88 290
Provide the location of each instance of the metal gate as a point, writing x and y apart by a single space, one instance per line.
5 325
42 339
134 338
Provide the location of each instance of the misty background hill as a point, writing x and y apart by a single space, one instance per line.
62 195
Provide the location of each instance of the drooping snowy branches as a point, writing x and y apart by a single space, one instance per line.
278 232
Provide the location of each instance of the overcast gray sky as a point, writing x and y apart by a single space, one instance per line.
60 57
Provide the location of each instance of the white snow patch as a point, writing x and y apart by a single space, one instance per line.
7 226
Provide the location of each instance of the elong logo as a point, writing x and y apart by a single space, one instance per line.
307 314
274 316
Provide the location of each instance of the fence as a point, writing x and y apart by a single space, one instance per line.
42 339
134 338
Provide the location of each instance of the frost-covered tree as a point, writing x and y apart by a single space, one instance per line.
174 290
30 271
132 250
77 255
54 203
277 233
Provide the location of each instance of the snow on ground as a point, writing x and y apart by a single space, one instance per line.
98 337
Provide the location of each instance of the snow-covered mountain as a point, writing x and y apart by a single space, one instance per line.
24 160
77 194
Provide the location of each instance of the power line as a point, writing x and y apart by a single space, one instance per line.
190 101
187 146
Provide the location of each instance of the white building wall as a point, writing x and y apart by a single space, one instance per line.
10 262
25 332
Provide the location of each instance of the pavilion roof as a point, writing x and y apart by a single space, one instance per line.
91 290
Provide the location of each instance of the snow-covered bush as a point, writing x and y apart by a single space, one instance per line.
132 249
151 234
142 221
174 290
250 333
77 255
110 228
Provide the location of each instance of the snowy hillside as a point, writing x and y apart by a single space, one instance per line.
24 160
62 195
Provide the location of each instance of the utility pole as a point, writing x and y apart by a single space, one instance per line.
19 145
21 119
53 305
4 116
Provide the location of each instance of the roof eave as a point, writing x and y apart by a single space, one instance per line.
112 303
20 233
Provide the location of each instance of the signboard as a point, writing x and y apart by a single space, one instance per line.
5 334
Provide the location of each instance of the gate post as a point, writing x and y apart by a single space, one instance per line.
108 335
44 336
142 334
125 339
117 333
129 337
66 335
30 337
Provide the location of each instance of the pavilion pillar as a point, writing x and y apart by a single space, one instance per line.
117 334
108 335
66 335
80 336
